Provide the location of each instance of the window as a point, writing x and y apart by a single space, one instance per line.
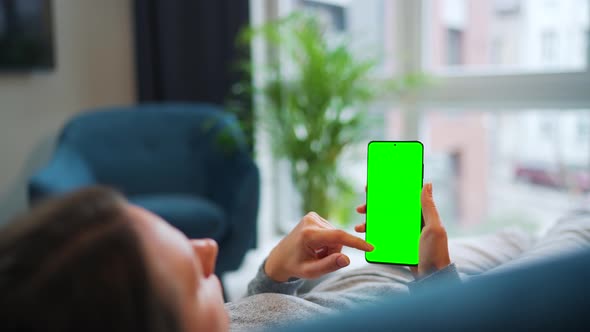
454 47
331 14
507 7
507 169
503 117
506 125
549 47
583 128
546 129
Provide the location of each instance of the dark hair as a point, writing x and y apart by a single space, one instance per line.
76 264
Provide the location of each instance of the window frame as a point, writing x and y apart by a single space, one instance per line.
480 89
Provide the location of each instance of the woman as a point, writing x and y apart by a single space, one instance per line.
90 261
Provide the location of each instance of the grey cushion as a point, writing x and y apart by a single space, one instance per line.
569 234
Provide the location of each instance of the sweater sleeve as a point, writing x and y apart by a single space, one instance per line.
264 284
447 275
273 305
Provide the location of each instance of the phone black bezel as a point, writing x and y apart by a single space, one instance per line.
367 193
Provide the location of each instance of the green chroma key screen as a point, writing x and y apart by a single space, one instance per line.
394 212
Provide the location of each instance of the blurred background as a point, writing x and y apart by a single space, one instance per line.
504 122
502 112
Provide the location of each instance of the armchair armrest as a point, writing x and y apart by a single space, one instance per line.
65 172
242 209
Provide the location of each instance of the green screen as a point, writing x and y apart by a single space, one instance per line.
394 213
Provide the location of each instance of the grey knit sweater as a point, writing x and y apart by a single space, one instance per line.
272 305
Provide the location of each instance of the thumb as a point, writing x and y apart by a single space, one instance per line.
428 207
331 263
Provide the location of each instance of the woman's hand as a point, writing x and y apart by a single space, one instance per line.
311 250
434 249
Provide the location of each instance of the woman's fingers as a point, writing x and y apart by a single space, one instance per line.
428 207
331 263
331 237
361 228
320 220
362 209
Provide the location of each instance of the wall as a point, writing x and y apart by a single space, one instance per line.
94 56
466 136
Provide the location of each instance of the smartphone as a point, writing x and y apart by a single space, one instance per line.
394 212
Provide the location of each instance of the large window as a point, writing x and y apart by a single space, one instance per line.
505 123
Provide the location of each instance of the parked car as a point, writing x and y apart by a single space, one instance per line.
538 173
549 175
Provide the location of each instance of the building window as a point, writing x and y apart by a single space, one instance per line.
332 15
549 47
454 47
506 7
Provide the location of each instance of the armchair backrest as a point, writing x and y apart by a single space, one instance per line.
157 148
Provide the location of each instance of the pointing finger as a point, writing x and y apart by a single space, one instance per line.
325 265
338 237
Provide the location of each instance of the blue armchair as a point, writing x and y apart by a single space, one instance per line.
188 163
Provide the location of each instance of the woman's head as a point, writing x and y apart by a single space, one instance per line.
91 261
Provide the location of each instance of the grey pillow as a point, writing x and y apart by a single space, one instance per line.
570 233
477 254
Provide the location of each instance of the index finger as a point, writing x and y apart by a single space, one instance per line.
338 237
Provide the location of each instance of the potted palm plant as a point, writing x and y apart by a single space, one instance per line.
314 106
